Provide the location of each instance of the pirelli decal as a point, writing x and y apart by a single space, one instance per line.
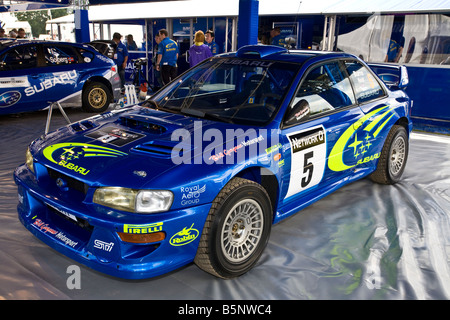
142 228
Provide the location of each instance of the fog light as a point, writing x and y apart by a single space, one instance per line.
142 237
29 160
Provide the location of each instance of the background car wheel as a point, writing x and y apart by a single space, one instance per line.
96 97
393 157
236 230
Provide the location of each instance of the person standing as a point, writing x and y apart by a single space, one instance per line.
120 56
213 46
167 57
13 33
395 49
131 44
156 72
199 51
276 38
21 33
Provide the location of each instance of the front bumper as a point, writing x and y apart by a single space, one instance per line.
91 237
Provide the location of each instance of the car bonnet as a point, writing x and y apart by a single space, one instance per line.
128 149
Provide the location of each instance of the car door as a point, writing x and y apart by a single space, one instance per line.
379 115
64 67
20 79
310 136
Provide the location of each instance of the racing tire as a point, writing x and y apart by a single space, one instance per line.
96 97
394 155
236 230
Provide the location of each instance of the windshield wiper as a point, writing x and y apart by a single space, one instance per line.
204 115
212 116
158 107
153 102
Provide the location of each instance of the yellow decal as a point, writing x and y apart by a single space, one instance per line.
185 236
64 154
142 228
336 162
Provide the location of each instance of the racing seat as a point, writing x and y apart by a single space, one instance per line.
253 91
251 101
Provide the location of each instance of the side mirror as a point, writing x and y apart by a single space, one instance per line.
298 112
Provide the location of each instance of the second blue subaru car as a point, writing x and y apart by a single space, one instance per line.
34 74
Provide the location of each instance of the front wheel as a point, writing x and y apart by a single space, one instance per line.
96 97
393 157
236 230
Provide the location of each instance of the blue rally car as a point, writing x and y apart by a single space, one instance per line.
202 170
34 74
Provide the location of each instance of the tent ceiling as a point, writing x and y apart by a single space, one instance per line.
14 6
105 10
27 5
230 8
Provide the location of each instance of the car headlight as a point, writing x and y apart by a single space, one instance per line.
131 200
29 160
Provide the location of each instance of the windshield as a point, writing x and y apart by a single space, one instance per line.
241 91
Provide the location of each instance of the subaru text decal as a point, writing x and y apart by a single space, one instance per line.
62 78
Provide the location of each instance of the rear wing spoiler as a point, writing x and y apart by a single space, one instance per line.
395 77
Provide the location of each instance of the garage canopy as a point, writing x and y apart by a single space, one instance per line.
204 8
28 5
100 10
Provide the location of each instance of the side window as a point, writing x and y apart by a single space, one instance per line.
60 55
325 88
364 82
19 57
87 56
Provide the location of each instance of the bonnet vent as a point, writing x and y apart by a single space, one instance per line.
159 149
142 124
82 125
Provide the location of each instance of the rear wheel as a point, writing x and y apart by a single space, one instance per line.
96 97
393 157
236 230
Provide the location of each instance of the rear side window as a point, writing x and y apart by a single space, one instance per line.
60 55
87 56
366 85
326 87
19 57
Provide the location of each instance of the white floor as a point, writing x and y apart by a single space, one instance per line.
365 241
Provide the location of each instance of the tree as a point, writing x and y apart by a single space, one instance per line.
38 18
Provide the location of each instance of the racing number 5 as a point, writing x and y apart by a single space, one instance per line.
308 157
308 167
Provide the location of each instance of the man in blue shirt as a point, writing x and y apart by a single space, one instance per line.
213 46
395 47
167 57
120 56
277 38
131 44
